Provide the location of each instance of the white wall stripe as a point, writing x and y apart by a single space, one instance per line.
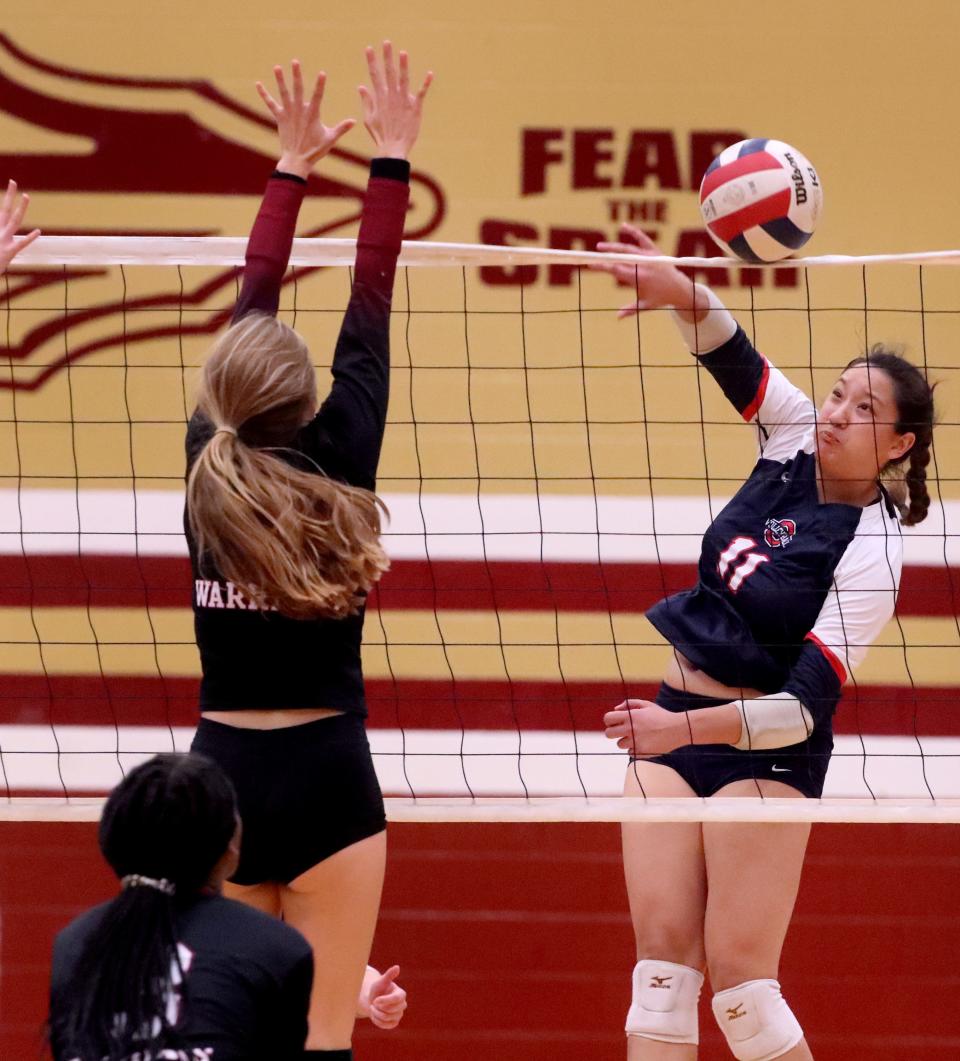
443 526
493 761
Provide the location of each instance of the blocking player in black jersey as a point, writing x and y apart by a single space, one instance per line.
12 211
797 576
169 968
283 530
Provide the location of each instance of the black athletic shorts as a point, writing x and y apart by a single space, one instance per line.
304 792
708 767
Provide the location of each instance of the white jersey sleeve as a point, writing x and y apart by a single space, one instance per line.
862 598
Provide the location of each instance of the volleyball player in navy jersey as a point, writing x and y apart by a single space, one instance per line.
12 212
169 968
798 575
283 530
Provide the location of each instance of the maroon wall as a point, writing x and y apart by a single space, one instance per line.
515 942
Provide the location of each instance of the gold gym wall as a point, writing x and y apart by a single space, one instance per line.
548 123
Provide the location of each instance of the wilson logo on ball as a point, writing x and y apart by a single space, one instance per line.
760 200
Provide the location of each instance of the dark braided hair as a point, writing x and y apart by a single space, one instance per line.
170 820
915 412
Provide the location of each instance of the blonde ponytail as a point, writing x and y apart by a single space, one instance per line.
288 539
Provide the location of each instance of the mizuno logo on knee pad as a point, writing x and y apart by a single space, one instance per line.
756 1021
664 1005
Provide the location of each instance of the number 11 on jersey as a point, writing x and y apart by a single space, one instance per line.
731 571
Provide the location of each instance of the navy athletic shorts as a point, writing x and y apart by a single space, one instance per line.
708 767
304 792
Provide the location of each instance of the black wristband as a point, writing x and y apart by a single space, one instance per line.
280 176
397 169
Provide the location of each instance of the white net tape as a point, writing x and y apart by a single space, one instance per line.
230 250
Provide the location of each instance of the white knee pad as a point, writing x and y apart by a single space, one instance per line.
757 1022
664 1004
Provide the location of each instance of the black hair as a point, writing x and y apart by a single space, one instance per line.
914 397
163 830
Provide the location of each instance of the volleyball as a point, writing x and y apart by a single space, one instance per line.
760 200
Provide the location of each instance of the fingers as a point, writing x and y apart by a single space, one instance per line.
384 984
18 211
389 71
13 209
387 999
631 234
8 197
316 98
376 81
341 128
26 240
297 83
391 76
629 248
427 82
387 1011
272 106
282 87
387 1021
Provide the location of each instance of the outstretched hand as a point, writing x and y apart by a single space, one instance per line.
391 112
12 212
304 139
386 999
644 728
657 286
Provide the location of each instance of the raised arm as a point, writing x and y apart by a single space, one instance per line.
354 414
760 393
304 140
12 212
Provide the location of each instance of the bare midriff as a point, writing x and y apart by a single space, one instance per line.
682 674
274 718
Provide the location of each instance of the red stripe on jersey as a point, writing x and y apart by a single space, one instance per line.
831 658
758 213
754 163
754 407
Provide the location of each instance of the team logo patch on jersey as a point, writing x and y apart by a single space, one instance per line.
779 533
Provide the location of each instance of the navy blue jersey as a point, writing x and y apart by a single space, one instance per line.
791 591
245 990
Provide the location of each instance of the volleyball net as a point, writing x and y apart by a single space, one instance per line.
549 472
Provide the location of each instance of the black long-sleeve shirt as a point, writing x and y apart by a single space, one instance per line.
254 659
246 986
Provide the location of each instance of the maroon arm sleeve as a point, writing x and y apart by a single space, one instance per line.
268 252
268 249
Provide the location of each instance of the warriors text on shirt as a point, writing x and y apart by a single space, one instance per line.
209 593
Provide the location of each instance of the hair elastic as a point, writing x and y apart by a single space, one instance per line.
224 429
137 880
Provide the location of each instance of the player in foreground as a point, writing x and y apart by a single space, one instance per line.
283 528
169 968
797 577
